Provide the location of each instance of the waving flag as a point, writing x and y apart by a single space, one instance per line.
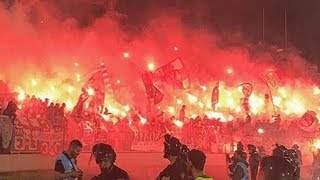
215 95
93 91
246 89
271 78
173 73
152 91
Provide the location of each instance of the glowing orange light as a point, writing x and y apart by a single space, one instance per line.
175 48
230 118
204 88
179 101
192 99
171 109
178 123
126 55
90 91
76 64
118 81
260 131
70 89
19 106
34 82
127 108
21 96
69 104
151 67
229 70
316 90
143 120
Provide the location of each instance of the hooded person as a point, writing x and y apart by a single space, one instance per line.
277 166
177 169
105 157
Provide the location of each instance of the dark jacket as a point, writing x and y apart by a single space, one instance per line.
176 171
114 173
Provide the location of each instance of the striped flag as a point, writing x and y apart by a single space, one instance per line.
94 90
271 78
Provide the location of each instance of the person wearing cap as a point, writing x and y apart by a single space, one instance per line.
66 167
105 157
254 161
177 169
195 164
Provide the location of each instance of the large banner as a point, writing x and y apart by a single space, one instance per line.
26 135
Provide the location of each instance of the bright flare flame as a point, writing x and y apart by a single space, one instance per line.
204 88
316 90
229 70
171 110
90 91
179 101
143 120
178 123
260 131
126 55
21 96
216 115
192 99
34 82
151 67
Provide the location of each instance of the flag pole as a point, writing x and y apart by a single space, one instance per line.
263 25
271 97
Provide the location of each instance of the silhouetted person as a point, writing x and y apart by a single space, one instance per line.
277 166
240 170
51 112
177 169
11 110
254 160
105 157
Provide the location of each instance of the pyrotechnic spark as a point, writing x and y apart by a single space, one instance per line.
34 82
260 131
230 118
151 67
142 120
179 101
316 90
70 89
176 48
118 81
283 92
201 105
216 115
21 96
229 70
105 117
19 106
192 99
127 108
90 91
204 88
76 64
126 55
171 110
178 123
69 104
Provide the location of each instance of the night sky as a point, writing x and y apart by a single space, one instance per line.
220 16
